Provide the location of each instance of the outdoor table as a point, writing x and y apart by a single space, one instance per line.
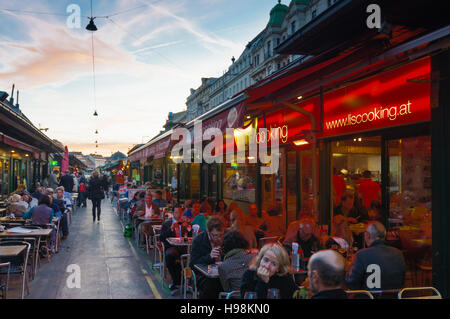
32 233
2 211
19 220
179 242
11 251
210 271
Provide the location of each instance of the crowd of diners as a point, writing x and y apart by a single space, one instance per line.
228 237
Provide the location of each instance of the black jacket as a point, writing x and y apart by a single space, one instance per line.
201 250
391 262
251 282
311 245
95 189
331 294
67 182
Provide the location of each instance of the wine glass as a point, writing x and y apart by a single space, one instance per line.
273 293
250 295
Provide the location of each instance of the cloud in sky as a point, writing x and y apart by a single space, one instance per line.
147 59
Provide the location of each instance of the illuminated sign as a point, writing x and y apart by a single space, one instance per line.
53 163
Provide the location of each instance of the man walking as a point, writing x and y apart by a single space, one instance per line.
96 193
67 182
82 191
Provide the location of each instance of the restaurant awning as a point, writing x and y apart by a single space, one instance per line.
18 144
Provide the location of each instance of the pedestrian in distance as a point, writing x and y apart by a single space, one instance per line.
96 193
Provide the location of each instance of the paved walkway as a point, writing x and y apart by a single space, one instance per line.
111 265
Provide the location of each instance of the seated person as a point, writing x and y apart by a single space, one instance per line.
206 250
174 228
42 214
347 209
205 207
14 207
326 272
146 209
199 217
374 212
389 259
236 259
59 205
305 238
273 224
159 200
134 203
253 219
221 207
341 237
237 219
269 270
188 211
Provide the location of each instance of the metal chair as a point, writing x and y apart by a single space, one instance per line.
186 276
4 286
19 263
436 294
236 294
360 293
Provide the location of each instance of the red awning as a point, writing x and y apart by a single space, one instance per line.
276 84
18 144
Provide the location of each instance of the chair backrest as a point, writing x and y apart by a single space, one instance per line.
420 293
236 294
359 293
20 260
266 240
185 259
385 294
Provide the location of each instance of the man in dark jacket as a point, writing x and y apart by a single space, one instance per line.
305 238
96 193
174 228
326 272
67 182
206 250
377 267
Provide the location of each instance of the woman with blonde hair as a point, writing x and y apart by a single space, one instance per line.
270 270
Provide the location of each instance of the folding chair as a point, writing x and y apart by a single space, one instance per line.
266 240
186 276
435 293
4 286
18 263
360 293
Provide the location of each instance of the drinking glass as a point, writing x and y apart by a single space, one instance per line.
250 295
273 293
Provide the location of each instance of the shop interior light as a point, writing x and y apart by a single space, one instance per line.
359 139
13 151
301 142
250 158
248 117
300 97
26 155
